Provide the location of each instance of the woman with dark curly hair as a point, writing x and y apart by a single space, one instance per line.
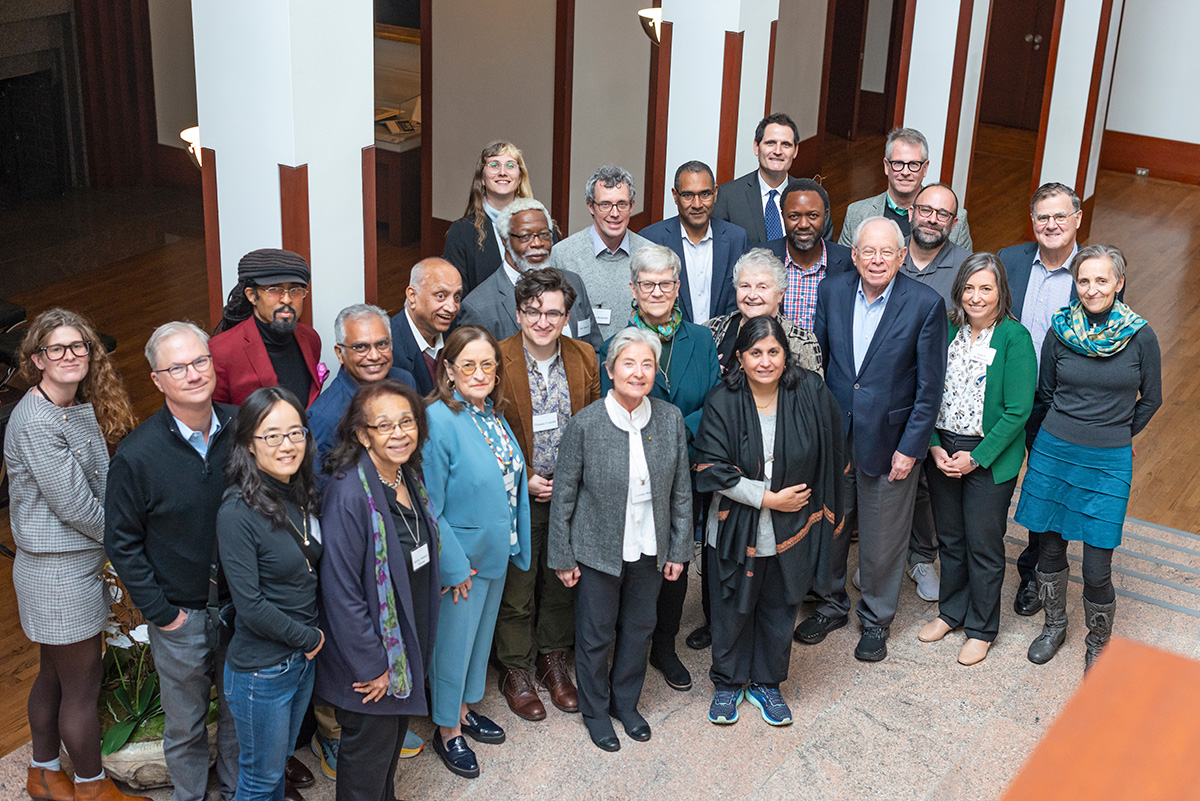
56 447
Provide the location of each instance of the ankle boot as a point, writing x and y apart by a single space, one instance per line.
49 785
103 790
1052 590
1099 622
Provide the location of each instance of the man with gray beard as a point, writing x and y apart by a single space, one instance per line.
932 258
524 230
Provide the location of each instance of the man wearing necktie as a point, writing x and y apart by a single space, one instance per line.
752 201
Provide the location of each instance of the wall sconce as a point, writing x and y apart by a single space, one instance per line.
192 137
651 19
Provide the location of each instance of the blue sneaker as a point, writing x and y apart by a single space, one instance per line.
770 703
327 751
723 709
412 745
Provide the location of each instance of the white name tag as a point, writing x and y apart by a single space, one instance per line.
545 422
510 481
584 328
603 316
641 492
985 355
420 556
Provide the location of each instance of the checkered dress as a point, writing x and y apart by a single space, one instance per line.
57 467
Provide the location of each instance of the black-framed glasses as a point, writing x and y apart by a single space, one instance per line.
544 236
363 348
553 316
648 287
469 368
943 216
1059 217
275 438
178 371
605 206
495 165
277 292
80 348
405 424
703 194
911 166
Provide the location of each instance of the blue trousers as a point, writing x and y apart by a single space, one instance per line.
460 652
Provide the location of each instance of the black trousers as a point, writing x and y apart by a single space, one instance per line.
614 614
368 754
1097 566
670 597
972 516
756 646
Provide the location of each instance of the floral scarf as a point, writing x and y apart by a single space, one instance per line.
1072 327
664 331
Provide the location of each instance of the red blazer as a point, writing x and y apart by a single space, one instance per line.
242 364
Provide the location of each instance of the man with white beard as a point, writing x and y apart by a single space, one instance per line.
524 229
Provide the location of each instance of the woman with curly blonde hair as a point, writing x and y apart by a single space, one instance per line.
56 447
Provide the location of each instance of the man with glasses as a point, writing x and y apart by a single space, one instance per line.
905 162
268 346
164 488
707 247
546 379
524 230
932 258
600 254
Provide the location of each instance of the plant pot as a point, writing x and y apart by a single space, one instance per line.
142 765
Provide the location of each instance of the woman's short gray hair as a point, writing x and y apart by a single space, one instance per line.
761 260
653 258
166 331
1111 252
631 336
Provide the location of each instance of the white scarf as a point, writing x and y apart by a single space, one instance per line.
639 517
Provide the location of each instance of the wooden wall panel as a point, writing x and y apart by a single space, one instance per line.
958 76
731 91
370 229
212 236
656 128
564 79
294 221
1164 158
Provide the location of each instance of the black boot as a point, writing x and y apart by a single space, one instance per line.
1052 589
1099 622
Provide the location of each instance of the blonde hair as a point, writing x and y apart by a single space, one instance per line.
479 193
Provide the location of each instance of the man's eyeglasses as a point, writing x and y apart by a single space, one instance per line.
605 206
552 316
275 438
1059 217
943 216
277 292
495 166
648 287
178 371
886 253
469 368
544 236
911 166
55 353
703 194
407 425
363 348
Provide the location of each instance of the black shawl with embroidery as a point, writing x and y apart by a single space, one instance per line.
810 448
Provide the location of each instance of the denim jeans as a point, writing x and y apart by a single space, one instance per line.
268 706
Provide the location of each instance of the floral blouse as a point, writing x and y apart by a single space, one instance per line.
966 383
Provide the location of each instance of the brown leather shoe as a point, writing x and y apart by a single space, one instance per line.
552 673
297 773
49 785
103 790
521 695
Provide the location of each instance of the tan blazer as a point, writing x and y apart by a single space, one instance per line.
583 380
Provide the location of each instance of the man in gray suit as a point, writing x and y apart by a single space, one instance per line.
524 230
905 162
752 201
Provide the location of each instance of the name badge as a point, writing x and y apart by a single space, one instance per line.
985 355
545 422
314 527
420 556
603 316
510 481
641 492
583 328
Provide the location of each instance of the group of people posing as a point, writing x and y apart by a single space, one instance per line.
519 467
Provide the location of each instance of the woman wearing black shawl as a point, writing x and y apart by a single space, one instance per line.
775 511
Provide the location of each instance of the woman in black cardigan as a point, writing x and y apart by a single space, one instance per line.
380 585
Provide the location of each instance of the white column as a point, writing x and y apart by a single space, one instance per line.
930 71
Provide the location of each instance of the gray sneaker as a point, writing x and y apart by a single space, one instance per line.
927 580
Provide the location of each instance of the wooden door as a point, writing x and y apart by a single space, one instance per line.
1014 76
845 67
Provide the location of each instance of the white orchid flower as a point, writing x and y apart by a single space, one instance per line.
120 641
141 634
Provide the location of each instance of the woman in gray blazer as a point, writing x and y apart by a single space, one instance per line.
57 454
626 452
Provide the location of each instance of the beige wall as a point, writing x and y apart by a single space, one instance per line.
493 78
799 56
173 55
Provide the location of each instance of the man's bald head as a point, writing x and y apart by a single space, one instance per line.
433 295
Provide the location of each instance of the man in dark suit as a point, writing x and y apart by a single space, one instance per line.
707 247
752 201
430 305
883 337
808 258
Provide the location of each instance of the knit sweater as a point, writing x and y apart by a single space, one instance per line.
606 276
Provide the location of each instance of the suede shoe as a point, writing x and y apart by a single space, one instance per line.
555 676
673 671
1027 602
518 690
926 578
457 755
327 751
770 703
482 729
872 645
413 744
817 628
298 773
723 709
700 638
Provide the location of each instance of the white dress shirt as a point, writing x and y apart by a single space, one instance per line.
698 261
639 515
434 349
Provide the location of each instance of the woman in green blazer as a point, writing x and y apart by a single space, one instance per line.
978 447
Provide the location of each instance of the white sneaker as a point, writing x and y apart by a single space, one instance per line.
927 581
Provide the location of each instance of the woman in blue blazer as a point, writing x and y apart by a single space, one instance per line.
475 474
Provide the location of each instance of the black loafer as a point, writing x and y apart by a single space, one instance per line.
640 733
607 742
457 755
699 639
602 734
482 729
872 646
1027 602
673 671
817 628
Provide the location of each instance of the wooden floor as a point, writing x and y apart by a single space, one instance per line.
1156 223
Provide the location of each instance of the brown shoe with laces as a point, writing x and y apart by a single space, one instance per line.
521 694
553 674
103 790
49 785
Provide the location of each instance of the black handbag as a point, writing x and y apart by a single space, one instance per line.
219 622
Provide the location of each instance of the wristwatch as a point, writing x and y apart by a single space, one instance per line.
973 462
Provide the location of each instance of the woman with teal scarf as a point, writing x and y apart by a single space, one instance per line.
1101 383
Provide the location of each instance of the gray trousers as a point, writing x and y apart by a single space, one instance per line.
187 669
885 513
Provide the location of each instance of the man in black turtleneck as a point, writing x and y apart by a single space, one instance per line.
267 345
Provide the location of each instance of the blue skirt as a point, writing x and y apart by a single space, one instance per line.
1076 490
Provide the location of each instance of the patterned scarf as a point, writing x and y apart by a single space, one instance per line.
664 331
399 674
1072 327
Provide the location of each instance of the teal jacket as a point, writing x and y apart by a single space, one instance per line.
1007 400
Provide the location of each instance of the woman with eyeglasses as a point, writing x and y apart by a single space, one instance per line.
56 448
269 539
380 585
477 486
471 243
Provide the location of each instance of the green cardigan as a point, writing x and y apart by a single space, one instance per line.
1007 400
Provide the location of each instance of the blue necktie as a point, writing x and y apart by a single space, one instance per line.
771 217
